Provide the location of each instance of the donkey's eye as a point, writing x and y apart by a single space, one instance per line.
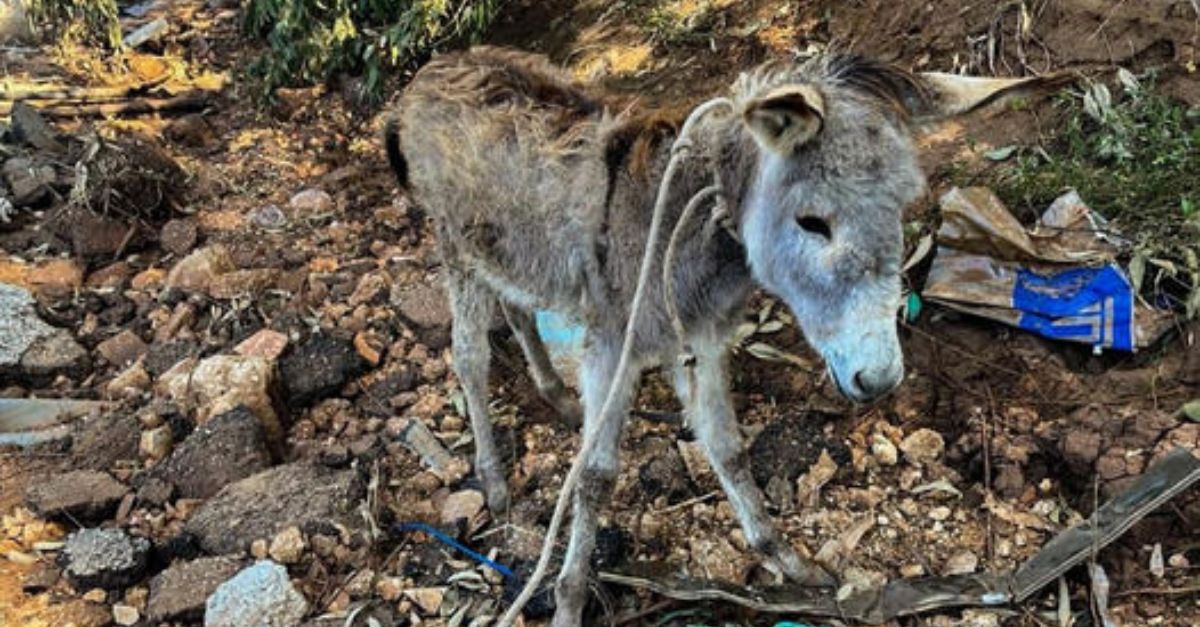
815 225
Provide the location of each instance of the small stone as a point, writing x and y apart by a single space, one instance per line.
40 579
287 547
260 594
389 588
697 464
939 513
56 279
243 283
372 288
137 596
178 236
259 549
181 318
130 383
908 571
367 348
95 595
359 585
157 442
428 599
923 446
196 272
82 494
104 558
426 307
883 450
268 218
265 343
112 276
963 563
148 280
311 201
125 614
1178 561
464 504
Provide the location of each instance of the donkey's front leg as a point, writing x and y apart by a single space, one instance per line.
715 425
601 464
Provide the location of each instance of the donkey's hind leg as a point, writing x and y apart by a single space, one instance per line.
472 305
549 384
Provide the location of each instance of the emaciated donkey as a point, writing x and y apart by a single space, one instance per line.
542 195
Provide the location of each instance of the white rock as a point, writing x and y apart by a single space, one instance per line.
883 450
260 595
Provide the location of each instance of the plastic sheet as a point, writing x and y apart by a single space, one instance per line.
1059 279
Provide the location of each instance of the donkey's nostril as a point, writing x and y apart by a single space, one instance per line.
860 383
873 384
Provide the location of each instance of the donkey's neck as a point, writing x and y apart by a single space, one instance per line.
711 277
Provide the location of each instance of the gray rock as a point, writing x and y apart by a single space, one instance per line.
223 450
314 498
260 596
85 495
180 592
104 558
101 443
30 346
425 307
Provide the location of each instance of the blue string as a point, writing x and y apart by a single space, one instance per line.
455 544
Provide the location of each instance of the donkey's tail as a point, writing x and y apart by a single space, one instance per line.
391 141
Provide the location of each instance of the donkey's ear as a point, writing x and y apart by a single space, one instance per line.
786 117
950 94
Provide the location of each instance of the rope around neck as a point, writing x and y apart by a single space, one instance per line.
679 150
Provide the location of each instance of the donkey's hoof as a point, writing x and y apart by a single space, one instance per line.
497 494
804 571
570 410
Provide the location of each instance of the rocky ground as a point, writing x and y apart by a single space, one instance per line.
255 318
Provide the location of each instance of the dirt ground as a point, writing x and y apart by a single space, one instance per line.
1034 434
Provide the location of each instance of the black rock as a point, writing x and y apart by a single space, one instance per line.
319 368
227 448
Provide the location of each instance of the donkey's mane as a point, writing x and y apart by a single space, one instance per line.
896 88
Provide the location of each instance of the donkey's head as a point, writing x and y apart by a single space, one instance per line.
834 168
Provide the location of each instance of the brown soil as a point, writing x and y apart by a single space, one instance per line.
1052 427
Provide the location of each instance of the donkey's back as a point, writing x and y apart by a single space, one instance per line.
504 151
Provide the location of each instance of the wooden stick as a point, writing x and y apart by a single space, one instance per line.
190 101
22 91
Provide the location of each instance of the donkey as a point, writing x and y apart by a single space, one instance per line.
542 194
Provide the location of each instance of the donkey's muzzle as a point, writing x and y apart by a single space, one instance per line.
872 383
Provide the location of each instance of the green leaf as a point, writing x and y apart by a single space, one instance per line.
1191 410
1000 154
